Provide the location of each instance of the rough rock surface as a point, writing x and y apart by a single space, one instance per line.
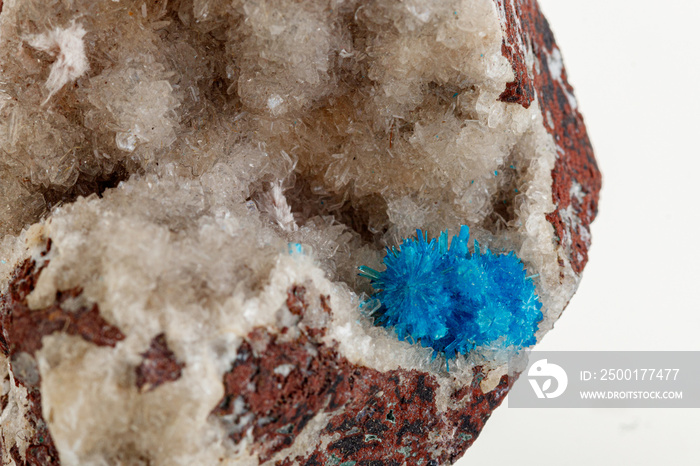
188 188
576 179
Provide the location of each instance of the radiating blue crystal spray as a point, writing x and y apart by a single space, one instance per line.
453 300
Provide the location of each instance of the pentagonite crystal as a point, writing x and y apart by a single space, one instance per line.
452 300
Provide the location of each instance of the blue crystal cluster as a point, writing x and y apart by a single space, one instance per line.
452 300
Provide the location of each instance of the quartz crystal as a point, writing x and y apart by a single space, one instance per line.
188 188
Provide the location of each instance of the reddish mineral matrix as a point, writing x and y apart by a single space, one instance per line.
21 331
576 178
159 365
372 417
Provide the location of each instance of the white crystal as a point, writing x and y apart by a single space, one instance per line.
67 46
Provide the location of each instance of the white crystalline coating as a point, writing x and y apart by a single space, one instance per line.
136 103
14 424
284 369
67 46
274 101
275 203
207 139
555 64
576 191
125 141
556 67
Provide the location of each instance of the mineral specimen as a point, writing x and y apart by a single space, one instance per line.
189 187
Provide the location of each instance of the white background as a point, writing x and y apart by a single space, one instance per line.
635 67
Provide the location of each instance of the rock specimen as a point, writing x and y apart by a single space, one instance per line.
189 187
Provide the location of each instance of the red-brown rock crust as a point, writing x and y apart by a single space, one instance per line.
372 417
21 333
159 365
575 171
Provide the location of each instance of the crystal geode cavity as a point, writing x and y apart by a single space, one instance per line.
188 188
